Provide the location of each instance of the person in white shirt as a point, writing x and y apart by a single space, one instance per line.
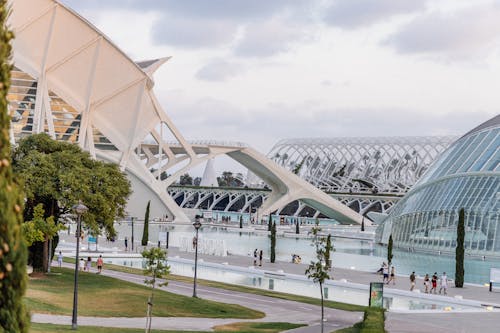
444 284
60 259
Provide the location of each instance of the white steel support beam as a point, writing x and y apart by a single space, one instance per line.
85 115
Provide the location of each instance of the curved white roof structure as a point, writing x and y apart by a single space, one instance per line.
73 83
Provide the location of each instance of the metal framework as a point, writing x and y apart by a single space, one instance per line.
466 176
73 83
360 165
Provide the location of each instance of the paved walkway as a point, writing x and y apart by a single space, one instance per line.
396 322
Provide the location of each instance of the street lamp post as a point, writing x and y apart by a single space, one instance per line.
196 225
132 218
79 209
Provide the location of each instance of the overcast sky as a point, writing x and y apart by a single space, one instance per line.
259 71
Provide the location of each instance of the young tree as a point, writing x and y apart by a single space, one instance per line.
156 268
145 232
318 270
389 251
327 253
459 252
13 314
273 243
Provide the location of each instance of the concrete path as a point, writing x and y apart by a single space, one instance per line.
395 322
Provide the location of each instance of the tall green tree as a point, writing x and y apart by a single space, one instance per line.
186 179
145 232
58 175
13 315
459 252
318 270
389 250
156 268
273 243
327 253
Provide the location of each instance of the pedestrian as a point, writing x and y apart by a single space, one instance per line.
60 259
126 244
385 272
260 257
393 276
427 282
434 282
412 281
380 270
82 264
99 264
89 263
444 284
255 257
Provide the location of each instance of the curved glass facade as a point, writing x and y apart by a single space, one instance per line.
467 175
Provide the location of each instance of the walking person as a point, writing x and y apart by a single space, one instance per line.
60 259
82 264
260 258
126 244
89 264
427 282
393 276
412 281
444 284
99 264
385 272
434 282
255 257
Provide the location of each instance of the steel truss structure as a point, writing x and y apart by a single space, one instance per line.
389 165
249 200
72 82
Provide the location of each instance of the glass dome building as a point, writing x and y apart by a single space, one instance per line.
466 175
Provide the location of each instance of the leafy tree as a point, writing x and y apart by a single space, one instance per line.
459 252
156 268
40 229
13 314
296 169
327 253
318 270
273 243
186 179
60 174
228 180
389 251
145 232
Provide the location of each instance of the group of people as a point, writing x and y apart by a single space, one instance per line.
430 283
296 259
384 270
257 254
86 265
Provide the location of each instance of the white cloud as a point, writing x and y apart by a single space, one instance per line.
462 34
352 14
219 70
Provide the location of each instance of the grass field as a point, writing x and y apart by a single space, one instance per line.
255 291
235 328
107 297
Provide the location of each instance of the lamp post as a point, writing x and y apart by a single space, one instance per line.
132 218
79 209
196 225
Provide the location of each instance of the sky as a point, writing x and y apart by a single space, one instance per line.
260 71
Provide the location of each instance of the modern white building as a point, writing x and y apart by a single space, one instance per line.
73 83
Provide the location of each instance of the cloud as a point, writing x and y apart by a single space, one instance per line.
267 38
352 14
219 70
183 32
461 34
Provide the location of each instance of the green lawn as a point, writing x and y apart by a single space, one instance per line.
373 322
235 328
108 297
255 291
